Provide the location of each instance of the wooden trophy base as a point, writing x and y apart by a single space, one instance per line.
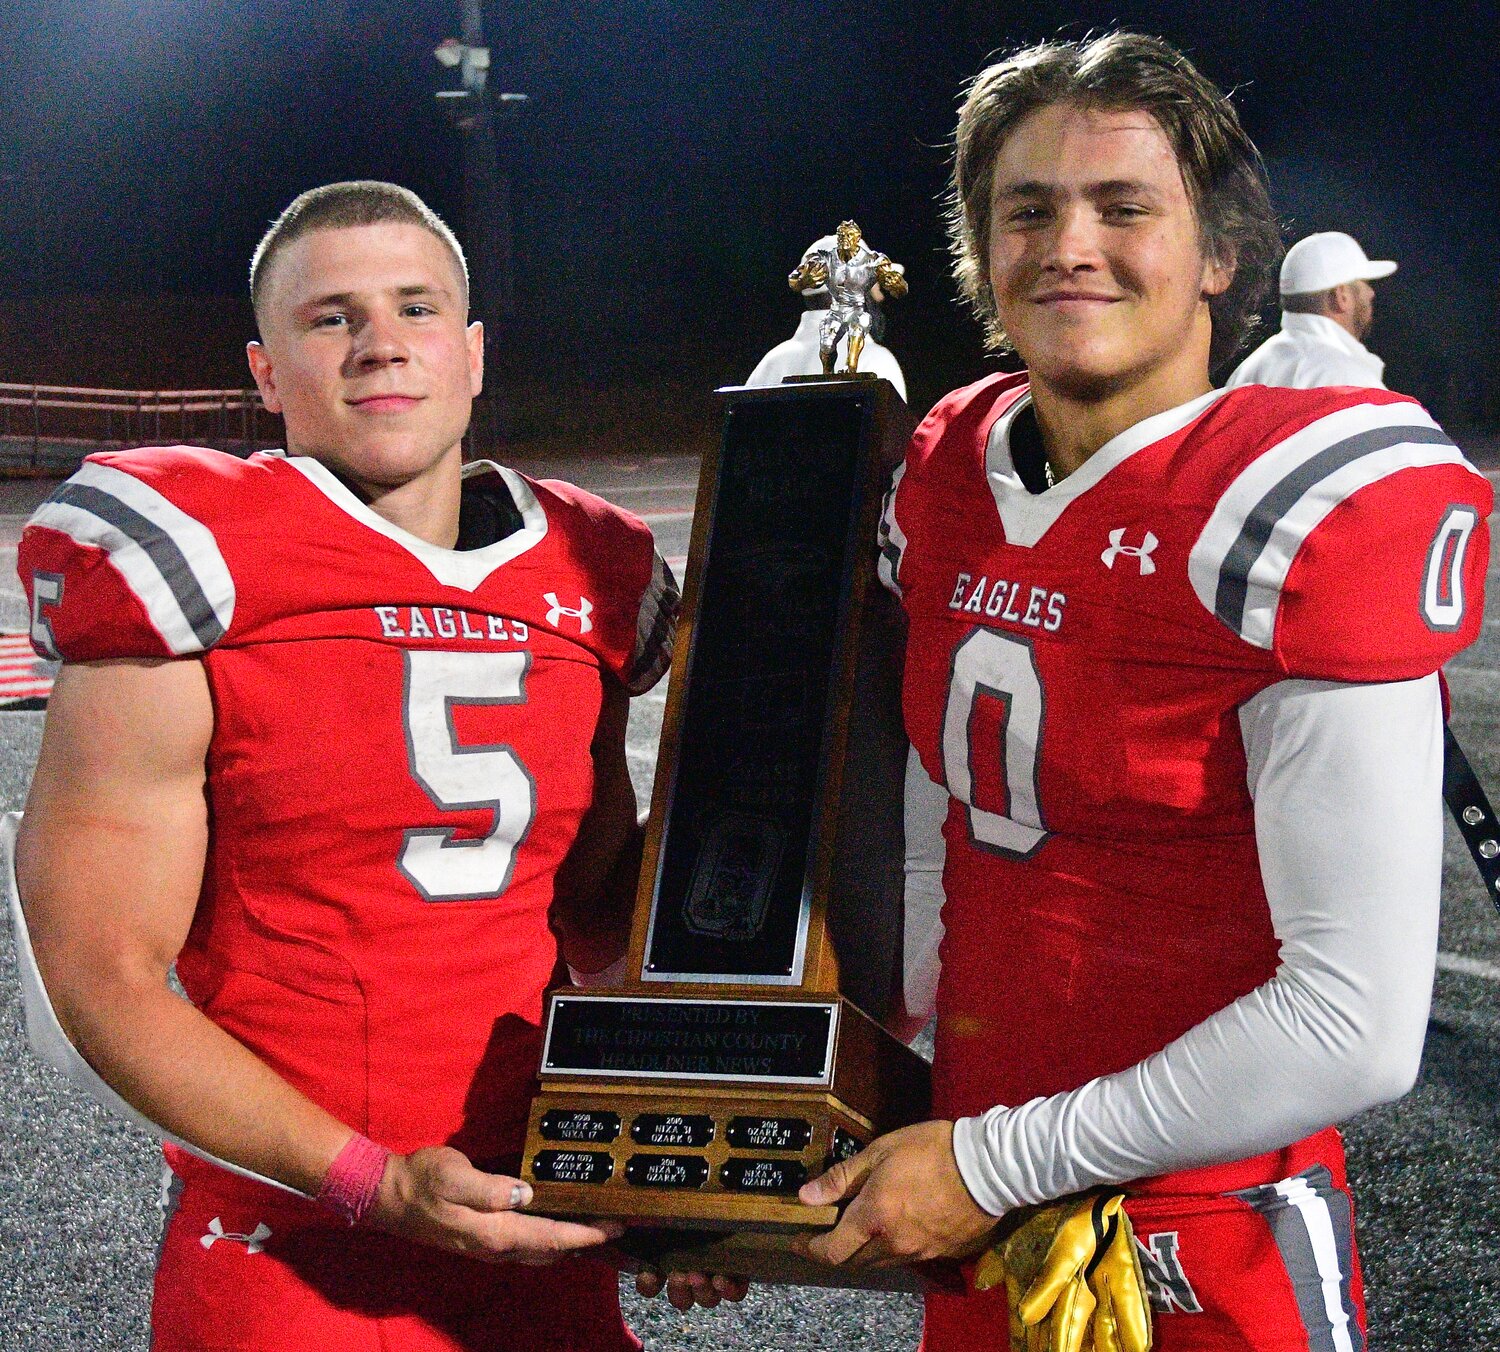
704 1164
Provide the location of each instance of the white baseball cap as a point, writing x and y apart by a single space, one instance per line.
1326 260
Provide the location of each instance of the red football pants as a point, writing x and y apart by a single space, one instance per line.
259 1275
1263 1269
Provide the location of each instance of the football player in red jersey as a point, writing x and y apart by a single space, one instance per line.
1172 668
340 733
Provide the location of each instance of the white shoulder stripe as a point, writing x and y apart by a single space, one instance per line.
1243 556
170 561
891 539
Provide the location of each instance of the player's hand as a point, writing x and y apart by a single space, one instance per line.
1073 1279
909 1203
686 1289
435 1196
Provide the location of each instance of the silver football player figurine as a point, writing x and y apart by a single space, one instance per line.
852 272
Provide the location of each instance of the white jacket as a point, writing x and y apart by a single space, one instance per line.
798 356
1310 350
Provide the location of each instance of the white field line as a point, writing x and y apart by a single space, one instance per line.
1456 962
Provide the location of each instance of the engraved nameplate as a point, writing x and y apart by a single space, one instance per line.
672 1129
844 1145
769 1133
780 1176
570 1124
572 1166
642 1037
666 1171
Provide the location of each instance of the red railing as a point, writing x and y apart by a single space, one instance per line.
50 428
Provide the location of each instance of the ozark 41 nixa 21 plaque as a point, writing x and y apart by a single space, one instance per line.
744 1054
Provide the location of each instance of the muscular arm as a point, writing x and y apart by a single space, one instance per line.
1348 820
110 861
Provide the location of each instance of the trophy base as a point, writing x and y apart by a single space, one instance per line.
834 375
706 1174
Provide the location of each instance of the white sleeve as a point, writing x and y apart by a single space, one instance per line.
922 926
50 1041
1348 824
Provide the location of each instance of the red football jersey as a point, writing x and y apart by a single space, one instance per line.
1074 668
400 756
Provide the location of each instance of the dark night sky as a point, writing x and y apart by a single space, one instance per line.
678 157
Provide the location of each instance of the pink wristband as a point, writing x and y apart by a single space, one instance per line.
353 1178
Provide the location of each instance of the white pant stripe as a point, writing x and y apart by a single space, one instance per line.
1314 1213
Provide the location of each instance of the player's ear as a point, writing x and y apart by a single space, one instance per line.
474 340
1218 271
265 377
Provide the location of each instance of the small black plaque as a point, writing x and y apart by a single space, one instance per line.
572 1166
579 1124
667 1171
844 1145
672 1129
640 1037
749 1175
769 1133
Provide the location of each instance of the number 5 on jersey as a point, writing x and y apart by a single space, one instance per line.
992 736
464 778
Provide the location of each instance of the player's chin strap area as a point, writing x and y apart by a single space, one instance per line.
50 1042
1471 809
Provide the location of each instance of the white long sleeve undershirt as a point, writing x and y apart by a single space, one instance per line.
1346 782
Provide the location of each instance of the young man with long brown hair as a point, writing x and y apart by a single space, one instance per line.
1172 656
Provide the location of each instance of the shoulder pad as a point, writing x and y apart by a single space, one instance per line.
618 559
1352 547
116 563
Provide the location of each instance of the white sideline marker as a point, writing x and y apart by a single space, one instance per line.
1456 962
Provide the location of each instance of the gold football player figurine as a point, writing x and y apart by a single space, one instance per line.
852 272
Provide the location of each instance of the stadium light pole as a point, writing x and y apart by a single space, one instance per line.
475 112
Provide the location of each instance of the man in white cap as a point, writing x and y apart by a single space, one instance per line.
1327 306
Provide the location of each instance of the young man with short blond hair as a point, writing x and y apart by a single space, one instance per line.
339 732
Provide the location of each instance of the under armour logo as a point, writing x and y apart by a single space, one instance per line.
254 1242
585 609
1167 1285
1142 551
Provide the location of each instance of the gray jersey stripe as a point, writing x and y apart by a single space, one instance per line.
1289 1230
159 547
1255 535
656 625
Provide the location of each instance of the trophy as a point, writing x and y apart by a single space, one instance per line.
743 1055
844 265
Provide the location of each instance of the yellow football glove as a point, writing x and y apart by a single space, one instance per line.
1073 1279
1122 1321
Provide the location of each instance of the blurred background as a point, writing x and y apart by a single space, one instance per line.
632 219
